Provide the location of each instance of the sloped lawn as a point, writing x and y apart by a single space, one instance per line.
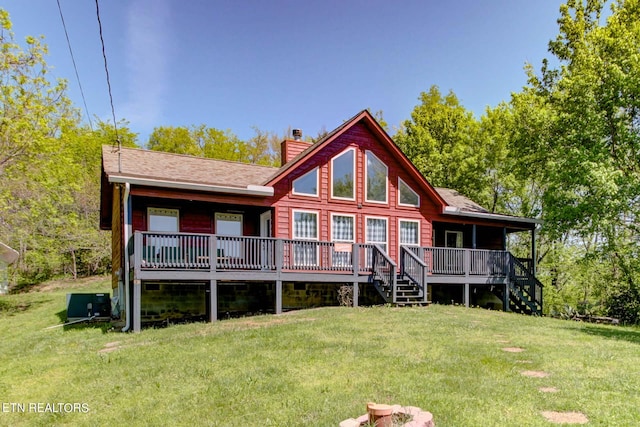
469 367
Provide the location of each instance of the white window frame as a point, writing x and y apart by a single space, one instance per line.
298 193
342 258
400 221
295 254
229 248
400 182
353 174
366 179
335 214
160 247
174 213
366 238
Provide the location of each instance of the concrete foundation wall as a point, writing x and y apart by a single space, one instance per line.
166 301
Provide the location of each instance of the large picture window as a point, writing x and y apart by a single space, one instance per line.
307 184
376 180
342 176
305 228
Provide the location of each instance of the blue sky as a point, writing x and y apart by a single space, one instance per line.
279 64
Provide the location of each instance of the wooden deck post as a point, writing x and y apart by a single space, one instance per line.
355 264
213 300
279 259
466 295
473 237
137 305
278 296
505 302
534 256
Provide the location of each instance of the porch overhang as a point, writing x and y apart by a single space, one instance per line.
525 222
249 190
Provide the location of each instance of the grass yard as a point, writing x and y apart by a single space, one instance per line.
312 368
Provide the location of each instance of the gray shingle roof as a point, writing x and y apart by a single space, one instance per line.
457 200
139 163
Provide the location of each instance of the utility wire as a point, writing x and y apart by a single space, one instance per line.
84 101
106 70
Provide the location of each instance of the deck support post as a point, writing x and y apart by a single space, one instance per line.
279 259
213 300
278 296
137 305
466 295
355 263
505 302
534 262
356 292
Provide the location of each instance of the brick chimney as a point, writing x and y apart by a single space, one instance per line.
290 148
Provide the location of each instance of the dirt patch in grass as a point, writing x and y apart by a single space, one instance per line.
535 374
513 349
67 283
10 307
110 346
548 389
565 417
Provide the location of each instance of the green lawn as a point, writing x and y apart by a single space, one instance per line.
312 368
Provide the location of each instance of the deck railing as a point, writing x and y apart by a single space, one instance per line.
459 262
188 251
177 251
384 271
413 266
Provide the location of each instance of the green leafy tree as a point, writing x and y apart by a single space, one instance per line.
441 139
199 141
32 109
592 150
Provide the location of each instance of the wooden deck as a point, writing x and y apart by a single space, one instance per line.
185 256
212 258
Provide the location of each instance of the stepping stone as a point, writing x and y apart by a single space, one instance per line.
565 417
513 349
534 374
548 389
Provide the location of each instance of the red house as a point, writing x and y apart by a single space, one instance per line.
203 239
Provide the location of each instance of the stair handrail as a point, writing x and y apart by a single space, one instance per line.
384 269
413 267
517 271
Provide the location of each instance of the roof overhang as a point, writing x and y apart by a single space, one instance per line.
530 222
249 190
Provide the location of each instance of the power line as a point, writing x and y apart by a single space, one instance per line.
84 101
106 70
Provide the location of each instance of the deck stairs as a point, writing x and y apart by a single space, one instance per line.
407 292
525 290
400 286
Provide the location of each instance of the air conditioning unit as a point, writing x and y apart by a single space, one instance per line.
94 307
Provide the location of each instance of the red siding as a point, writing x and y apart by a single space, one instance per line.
359 137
